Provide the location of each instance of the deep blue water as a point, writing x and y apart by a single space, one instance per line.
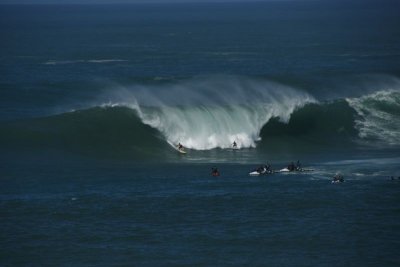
168 215
50 55
93 99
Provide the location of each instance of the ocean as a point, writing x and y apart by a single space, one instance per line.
94 99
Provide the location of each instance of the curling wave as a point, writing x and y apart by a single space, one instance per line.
215 113
205 115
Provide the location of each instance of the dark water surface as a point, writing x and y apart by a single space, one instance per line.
179 215
93 99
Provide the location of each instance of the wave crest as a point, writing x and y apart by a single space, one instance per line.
215 112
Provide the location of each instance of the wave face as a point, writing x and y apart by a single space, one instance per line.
100 130
315 123
214 113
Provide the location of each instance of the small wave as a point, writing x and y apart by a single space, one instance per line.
364 161
98 61
105 60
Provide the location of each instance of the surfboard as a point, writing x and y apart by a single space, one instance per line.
181 151
264 172
297 170
284 170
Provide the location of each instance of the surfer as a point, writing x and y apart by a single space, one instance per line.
268 167
261 169
234 145
180 146
214 171
338 178
298 165
291 167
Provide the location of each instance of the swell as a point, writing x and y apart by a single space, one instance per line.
313 128
116 130
105 130
371 120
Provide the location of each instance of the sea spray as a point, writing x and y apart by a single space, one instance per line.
212 112
378 116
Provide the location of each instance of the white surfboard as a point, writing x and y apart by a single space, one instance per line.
297 170
284 170
182 151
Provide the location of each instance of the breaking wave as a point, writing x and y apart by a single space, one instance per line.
215 113
378 116
206 114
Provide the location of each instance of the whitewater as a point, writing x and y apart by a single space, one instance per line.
215 112
211 112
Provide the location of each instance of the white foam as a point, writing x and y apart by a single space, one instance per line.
212 112
378 116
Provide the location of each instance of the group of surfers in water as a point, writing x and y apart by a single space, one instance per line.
264 169
292 167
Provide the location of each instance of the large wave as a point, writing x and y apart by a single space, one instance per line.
213 113
204 114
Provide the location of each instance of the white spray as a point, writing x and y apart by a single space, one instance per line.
213 112
378 116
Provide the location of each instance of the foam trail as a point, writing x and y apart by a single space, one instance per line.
213 112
